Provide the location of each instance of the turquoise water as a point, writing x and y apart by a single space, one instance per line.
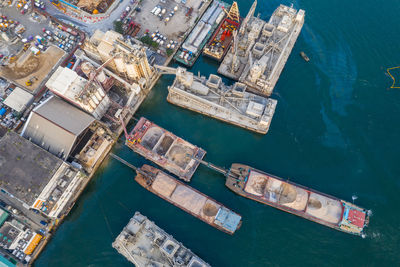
335 129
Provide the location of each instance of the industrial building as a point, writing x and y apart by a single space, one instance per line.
18 100
129 60
35 177
17 239
58 127
90 95
261 49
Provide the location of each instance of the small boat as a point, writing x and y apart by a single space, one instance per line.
304 56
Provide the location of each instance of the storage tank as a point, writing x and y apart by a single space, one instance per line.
87 68
120 65
131 70
101 77
95 100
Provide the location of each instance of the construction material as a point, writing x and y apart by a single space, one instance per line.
164 148
189 199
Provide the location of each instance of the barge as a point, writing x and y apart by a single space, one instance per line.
188 199
296 199
143 243
164 148
220 42
231 104
190 50
261 48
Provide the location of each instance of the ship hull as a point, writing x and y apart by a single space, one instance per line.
232 184
144 182
165 149
227 42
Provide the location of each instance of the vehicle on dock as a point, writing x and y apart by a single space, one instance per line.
164 148
220 42
188 199
296 199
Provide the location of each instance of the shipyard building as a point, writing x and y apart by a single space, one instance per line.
34 177
261 49
127 59
68 133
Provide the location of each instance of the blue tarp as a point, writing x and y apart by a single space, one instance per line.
2 111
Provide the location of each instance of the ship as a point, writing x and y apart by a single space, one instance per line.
164 148
188 199
293 198
296 199
221 41
304 56
143 243
191 48
261 49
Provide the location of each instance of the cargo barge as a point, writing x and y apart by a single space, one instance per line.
188 199
220 42
143 243
164 148
296 199
190 50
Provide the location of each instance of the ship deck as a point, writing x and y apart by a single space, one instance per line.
165 149
216 48
189 200
297 199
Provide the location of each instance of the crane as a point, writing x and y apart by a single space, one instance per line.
249 15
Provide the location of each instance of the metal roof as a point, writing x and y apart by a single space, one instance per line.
64 115
55 125
25 167
18 100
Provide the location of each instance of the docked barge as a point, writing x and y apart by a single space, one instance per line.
164 148
220 42
296 199
188 199
190 50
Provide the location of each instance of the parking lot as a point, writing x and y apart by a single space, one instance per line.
168 18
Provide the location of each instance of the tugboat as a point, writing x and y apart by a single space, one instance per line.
304 56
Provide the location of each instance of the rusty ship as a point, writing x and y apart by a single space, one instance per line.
220 42
164 148
188 199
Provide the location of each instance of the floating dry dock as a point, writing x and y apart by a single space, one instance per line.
188 199
164 148
143 243
232 104
261 49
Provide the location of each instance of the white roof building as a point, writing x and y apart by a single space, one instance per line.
18 100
